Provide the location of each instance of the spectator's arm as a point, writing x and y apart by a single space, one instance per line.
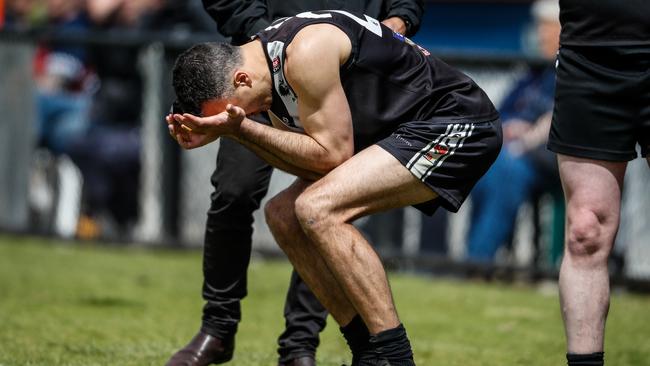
538 134
239 19
409 11
534 137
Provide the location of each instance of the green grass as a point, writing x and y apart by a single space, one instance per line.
71 304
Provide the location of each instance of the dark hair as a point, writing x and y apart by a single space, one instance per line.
202 73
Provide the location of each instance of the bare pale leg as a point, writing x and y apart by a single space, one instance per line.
593 195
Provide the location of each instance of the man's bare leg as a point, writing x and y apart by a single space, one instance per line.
593 195
371 181
288 233
300 249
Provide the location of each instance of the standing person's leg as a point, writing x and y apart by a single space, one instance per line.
601 112
241 180
305 318
592 191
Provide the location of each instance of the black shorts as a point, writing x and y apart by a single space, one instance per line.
602 103
449 157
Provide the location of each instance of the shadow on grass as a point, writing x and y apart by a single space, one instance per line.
109 302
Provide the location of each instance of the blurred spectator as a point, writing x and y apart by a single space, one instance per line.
524 166
64 82
109 153
23 14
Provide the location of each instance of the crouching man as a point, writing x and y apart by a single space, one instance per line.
368 121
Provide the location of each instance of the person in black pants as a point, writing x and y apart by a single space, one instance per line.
241 180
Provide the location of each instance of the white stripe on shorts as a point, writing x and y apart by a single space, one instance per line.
435 153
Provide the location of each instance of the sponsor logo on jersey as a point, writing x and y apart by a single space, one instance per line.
276 64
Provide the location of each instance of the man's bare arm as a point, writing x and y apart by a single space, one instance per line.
191 132
322 106
280 163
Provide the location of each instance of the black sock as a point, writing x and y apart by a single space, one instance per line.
591 359
357 335
394 346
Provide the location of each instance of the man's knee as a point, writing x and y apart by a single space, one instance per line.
279 216
588 236
314 212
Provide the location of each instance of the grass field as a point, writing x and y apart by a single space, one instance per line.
71 304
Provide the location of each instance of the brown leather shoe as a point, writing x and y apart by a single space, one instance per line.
300 361
203 350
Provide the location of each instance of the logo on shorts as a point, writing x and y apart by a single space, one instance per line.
432 156
276 64
436 152
440 149
402 139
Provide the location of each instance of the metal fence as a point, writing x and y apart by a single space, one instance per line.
174 191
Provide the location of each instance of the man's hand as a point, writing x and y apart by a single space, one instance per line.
191 131
396 24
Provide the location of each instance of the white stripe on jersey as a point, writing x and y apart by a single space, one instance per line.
275 50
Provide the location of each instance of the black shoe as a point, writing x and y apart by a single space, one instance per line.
203 350
300 361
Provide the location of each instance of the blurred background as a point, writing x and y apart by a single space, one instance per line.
85 154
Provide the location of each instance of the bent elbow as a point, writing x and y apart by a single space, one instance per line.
333 161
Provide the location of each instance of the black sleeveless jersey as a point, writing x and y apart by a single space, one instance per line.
387 79
605 22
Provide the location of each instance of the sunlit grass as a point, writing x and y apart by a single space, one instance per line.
71 304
